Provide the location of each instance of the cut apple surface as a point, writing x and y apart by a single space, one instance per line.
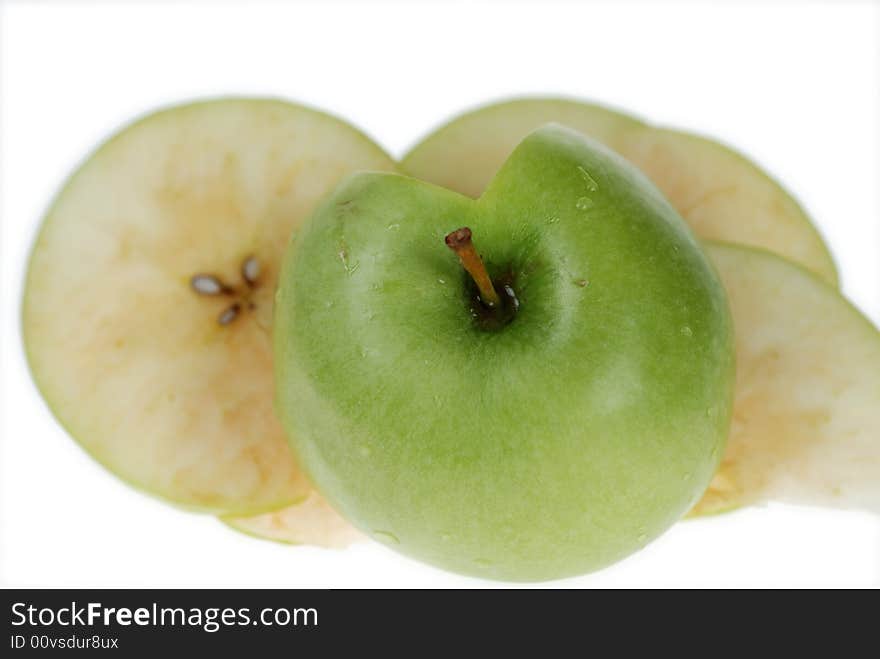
806 421
723 195
310 522
148 303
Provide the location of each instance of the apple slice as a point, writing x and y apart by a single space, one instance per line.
148 302
310 522
806 420
726 197
723 195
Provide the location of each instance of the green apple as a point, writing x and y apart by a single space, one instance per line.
719 192
544 425
148 303
806 421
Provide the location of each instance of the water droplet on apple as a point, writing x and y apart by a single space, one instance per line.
687 331
642 537
581 282
442 281
584 203
393 227
553 220
387 537
592 186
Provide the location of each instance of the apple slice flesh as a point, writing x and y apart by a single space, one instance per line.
722 194
310 522
148 302
806 420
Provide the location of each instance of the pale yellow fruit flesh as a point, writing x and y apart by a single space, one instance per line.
721 194
725 197
131 360
311 522
806 421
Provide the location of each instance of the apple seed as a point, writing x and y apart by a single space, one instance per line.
205 284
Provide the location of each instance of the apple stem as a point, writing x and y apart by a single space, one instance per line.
459 241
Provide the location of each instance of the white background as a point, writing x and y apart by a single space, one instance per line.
793 84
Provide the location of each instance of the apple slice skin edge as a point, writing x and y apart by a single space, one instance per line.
109 250
806 422
721 193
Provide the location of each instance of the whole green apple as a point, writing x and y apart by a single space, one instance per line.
542 425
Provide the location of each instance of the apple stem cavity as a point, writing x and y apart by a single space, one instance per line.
459 241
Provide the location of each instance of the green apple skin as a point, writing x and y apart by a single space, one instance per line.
553 446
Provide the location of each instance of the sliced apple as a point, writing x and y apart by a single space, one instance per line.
310 522
723 195
726 197
806 420
148 302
